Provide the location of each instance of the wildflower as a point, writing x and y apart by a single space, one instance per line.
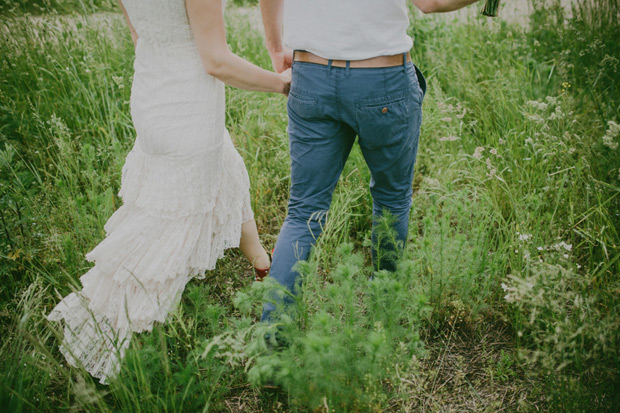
613 131
537 105
119 81
539 248
529 141
562 245
551 100
524 237
557 113
449 138
446 119
493 151
478 152
566 86
536 118
504 286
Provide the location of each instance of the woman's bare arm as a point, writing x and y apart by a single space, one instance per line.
207 21
134 34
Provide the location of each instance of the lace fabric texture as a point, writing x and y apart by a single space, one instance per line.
185 194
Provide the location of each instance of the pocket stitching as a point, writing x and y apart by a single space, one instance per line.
303 98
373 102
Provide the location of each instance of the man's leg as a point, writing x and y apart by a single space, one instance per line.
389 130
319 147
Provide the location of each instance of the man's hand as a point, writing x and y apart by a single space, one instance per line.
281 60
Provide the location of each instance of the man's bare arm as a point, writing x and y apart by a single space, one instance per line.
272 12
441 6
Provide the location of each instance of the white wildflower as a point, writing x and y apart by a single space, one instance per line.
119 81
537 105
493 151
478 152
551 100
562 246
536 118
450 138
613 131
557 113
525 237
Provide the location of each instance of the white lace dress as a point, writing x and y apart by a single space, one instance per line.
185 194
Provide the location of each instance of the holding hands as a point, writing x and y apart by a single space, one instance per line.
281 59
282 62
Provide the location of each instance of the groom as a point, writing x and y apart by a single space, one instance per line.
352 76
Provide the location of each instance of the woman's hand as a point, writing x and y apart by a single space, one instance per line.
286 78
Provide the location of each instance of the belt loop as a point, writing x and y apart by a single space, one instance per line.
329 66
347 70
405 62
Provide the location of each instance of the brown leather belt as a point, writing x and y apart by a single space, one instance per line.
373 62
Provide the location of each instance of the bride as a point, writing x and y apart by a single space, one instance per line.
185 188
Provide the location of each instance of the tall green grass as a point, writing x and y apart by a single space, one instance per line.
514 224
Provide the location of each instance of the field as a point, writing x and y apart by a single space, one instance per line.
507 298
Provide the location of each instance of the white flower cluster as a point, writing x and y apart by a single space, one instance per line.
535 104
478 152
613 130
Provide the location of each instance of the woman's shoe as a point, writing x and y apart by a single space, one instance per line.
261 274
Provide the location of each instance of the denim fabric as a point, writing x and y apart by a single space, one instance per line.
327 108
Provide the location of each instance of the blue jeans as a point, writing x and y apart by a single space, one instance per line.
327 108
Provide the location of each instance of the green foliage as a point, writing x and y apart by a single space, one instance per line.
55 6
352 333
530 172
584 49
245 3
514 222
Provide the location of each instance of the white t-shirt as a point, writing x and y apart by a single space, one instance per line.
347 29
